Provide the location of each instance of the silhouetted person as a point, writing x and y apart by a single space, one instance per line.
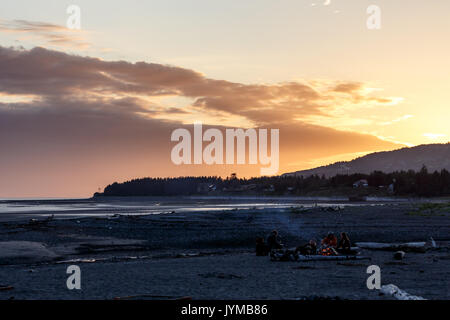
345 244
273 241
261 248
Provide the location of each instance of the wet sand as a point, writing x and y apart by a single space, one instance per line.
209 254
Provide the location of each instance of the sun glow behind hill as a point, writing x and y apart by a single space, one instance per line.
79 109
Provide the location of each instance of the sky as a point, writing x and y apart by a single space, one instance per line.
82 108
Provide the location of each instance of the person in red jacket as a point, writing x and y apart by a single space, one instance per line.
330 241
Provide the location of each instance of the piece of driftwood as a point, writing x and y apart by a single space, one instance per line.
330 258
399 255
351 264
396 292
5 288
407 246
220 275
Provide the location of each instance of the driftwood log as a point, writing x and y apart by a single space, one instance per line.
332 258
407 246
4 288
396 292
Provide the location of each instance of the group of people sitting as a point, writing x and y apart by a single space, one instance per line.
329 245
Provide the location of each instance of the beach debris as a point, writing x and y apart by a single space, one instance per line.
357 198
188 255
299 209
351 264
395 263
107 259
82 260
407 246
302 267
396 292
331 208
433 243
219 275
399 255
113 245
5 287
36 223
289 255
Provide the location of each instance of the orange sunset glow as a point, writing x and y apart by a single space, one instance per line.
82 108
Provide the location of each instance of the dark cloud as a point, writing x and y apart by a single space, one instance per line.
91 122
50 73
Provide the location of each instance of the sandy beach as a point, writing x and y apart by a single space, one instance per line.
209 254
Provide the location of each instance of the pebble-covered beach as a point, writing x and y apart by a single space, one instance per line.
210 254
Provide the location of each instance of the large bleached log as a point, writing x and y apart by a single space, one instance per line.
398 293
407 246
333 258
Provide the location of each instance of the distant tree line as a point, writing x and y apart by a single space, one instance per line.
404 183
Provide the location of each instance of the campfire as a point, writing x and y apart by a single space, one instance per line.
326 252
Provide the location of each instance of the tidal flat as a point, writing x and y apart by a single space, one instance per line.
204 249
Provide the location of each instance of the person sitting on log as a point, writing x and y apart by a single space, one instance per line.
273 241
345 245
330 240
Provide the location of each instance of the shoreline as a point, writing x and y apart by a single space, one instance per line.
101 207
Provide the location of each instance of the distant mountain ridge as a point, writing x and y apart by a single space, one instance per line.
433 156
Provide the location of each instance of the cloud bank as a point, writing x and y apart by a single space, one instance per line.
70 124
